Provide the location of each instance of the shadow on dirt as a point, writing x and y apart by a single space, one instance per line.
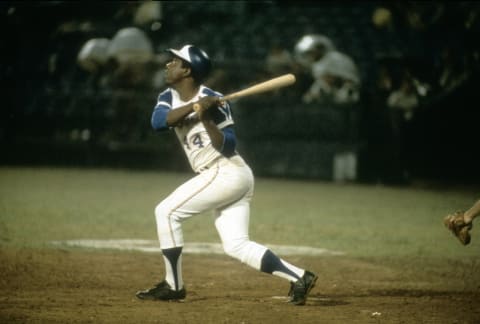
319 300
414 293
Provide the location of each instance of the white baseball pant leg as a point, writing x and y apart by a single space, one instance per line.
226 188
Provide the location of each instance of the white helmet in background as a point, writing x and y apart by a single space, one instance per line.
93 54
131 44
311 47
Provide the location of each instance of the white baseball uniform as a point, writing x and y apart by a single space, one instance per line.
224 184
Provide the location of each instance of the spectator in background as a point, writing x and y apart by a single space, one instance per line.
149 14
336 80
390 106
404 100
382 18
335 77
309 49
312 48
122 64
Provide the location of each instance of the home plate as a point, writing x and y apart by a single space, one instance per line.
287 298
192 248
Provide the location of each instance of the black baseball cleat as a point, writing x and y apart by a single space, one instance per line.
300 289
162 291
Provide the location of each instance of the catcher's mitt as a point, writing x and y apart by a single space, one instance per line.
456 224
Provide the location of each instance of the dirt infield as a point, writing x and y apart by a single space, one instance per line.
82 286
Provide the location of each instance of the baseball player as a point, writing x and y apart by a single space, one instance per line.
223 183
461 222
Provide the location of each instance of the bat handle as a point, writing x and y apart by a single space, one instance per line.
196 107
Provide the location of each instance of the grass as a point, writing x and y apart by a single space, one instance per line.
39 205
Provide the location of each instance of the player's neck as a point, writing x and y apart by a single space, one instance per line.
187 89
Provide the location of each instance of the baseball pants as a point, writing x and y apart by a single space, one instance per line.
226 188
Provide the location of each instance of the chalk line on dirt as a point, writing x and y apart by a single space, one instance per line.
192 248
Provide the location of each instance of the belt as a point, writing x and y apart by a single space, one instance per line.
209 165
213 162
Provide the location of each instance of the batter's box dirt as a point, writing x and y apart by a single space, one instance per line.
84 286
316 301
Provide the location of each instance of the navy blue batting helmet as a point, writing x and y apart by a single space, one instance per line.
199 61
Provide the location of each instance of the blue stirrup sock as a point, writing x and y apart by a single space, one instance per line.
274 265
173 267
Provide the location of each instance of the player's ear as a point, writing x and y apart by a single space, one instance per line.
187 69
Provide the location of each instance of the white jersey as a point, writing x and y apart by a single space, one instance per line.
191 133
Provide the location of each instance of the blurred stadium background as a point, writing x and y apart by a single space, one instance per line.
58 112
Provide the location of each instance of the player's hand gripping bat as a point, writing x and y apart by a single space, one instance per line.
269 85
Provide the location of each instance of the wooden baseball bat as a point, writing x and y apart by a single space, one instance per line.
269 85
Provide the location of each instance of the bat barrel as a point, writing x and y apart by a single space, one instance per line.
272 84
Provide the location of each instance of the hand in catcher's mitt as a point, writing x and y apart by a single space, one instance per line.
456 224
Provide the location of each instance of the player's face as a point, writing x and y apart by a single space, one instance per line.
175 71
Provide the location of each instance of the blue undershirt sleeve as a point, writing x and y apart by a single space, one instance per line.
229 142
159 118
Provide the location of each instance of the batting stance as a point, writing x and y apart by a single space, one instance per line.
224 182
